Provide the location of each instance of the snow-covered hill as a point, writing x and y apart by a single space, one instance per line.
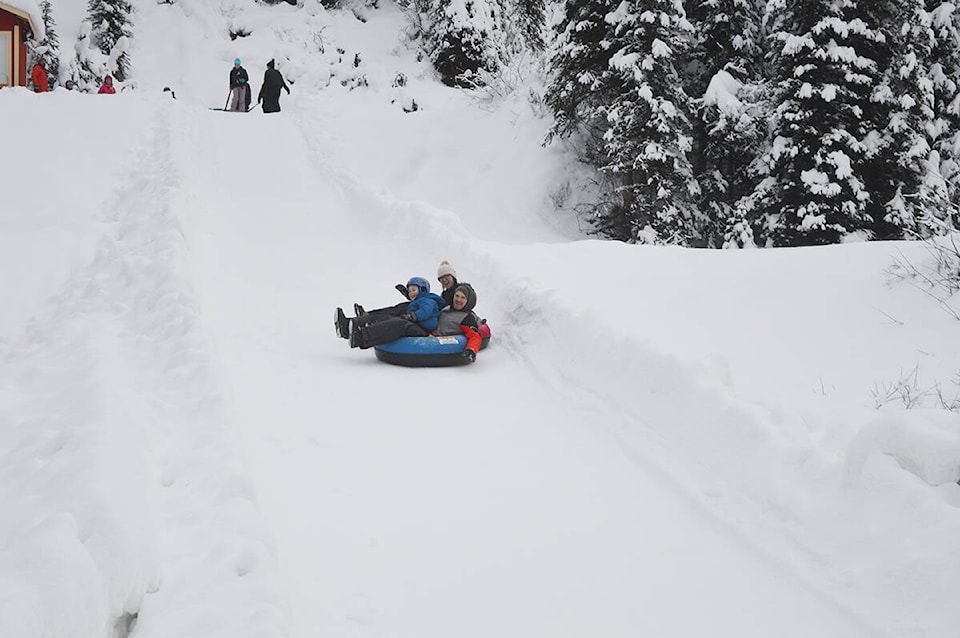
659 441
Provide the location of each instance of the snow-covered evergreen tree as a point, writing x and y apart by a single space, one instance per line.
732 115
464 39
530 21
725 75
812 189
47 50
848 126
727 33
904 177
110 33
580 58
615 80
88 66
944 69
648 142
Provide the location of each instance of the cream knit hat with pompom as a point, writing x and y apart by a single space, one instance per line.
446 269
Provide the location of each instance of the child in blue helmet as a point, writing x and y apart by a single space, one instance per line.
343 329
424 307
239 89
417 319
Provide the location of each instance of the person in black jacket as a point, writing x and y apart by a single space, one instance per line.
447 277
270 91
239 88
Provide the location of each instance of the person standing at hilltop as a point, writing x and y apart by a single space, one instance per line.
39 77
270 90
107 87
239 88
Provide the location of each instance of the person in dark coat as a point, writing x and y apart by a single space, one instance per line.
239 88
270 91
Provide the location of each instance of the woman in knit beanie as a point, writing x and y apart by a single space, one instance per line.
447 277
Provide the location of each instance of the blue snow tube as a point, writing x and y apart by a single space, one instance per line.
425 352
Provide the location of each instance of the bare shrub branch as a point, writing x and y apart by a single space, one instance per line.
910 394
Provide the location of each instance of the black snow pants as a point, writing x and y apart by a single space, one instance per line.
381 328
390 311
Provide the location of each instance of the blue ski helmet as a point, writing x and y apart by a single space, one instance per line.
236 61
420 283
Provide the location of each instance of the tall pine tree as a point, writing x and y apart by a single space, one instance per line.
465 39
530 18
727 33
47 50
649 140
725 75
616 80
110 33
812 189
904 177
944 69
581 83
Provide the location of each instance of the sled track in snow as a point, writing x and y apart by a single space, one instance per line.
207 501
132 316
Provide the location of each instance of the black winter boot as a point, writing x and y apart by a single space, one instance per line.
341 323
355 337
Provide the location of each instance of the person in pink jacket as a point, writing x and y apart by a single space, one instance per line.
107 86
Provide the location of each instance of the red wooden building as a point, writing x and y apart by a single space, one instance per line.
15 25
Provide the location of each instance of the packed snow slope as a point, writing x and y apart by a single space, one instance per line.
658 442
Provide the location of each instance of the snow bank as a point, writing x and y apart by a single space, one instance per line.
925 443
126 492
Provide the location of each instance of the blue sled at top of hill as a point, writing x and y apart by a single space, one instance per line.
428 352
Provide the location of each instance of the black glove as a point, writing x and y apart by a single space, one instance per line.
469 356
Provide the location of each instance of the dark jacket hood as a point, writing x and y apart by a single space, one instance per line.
471 296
